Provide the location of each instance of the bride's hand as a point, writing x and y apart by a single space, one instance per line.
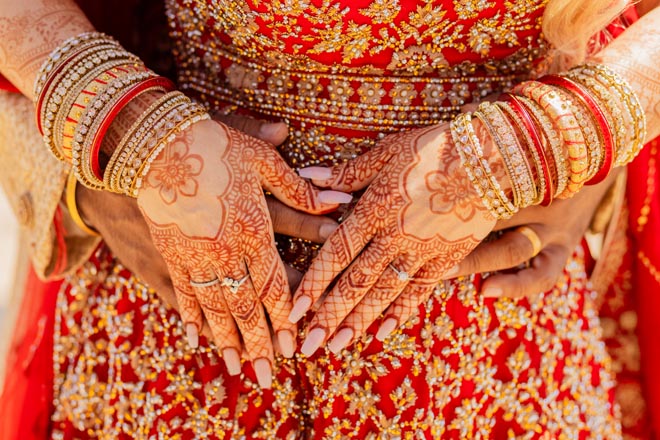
420 210
203 201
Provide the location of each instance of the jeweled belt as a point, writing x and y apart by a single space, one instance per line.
349 102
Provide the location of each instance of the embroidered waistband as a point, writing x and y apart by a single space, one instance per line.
354 102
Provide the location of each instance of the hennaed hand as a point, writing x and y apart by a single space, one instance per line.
419 217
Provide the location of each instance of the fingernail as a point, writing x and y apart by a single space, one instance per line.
287 343
192 335
386 328
327 229
299 309
492 292
451 272
334 197
317 173
263 372
341 340
232 361
313 341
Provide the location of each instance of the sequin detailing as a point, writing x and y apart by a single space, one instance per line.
463 368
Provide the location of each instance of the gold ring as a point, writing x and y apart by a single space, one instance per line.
533 238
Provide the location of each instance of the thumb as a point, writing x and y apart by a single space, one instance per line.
352 175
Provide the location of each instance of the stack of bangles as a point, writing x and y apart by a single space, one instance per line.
82 87
553 135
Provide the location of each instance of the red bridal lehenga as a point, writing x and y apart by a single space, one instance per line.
342 74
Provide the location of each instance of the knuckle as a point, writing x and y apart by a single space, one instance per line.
514 254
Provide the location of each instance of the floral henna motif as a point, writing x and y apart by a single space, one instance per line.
204 204
450 193
29 31
177 173
403 217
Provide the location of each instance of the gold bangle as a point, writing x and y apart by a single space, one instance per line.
562 116
73 207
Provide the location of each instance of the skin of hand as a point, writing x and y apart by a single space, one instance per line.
420 216
560 226
204 204
119 221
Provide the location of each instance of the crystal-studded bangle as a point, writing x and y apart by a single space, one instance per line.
605 130
76 63
530 133
133 148
611 110
59 95
80 96
61 52
566 123
558 165
71 72
506 141
477 168
628 100
91 121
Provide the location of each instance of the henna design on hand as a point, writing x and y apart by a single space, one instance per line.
640 66
420 207
204 204
29 31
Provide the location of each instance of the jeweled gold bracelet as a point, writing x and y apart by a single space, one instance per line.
184 116
477 168
558 165
133 148
506 141
88 126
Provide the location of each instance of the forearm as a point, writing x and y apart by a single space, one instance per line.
29 31
635 55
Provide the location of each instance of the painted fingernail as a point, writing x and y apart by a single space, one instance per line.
317 173
492 292
263 372
299 309
192 335
386 328
326 230
451 272
341 340
334 197
313 341
287 343
232 361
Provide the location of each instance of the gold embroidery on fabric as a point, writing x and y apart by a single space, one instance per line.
91 333
296 34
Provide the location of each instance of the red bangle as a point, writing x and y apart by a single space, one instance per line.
49 80
95 147
599 117
530 127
